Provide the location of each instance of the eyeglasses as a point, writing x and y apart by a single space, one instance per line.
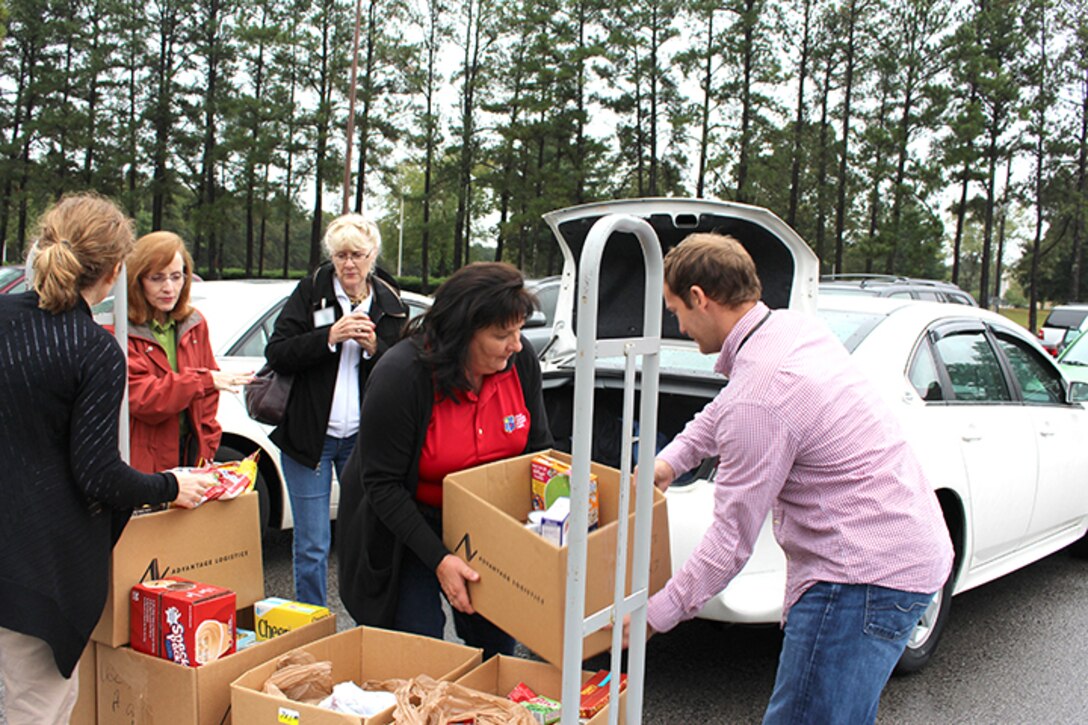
353 256
160 279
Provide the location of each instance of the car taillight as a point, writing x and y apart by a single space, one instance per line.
1039 332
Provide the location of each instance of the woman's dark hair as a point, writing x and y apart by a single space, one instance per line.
476 296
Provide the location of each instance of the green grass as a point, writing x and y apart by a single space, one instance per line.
1018 315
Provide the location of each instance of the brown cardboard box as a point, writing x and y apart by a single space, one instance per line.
523 578
140 689
218 543
84 711
360 654
501 674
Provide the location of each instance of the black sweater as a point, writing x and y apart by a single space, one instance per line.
299 348
64 489
378 517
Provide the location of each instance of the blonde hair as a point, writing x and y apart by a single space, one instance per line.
153 252
352 231
80 240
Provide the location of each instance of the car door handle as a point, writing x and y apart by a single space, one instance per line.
971 435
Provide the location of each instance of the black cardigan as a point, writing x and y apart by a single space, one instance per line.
66 492
378 516
297 347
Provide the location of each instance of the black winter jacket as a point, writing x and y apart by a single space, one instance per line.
299 348
378 519
66 492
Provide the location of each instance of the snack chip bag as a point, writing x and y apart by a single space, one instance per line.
233 477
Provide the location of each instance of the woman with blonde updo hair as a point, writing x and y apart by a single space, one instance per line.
173 379
67 494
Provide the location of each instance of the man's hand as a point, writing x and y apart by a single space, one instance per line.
627 631
663 474
452 574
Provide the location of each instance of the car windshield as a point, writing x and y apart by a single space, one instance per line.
849 326
1077 352
1068 319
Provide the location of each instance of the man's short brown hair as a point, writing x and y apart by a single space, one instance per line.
718 263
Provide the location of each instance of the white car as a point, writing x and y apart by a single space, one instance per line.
987 410
241 315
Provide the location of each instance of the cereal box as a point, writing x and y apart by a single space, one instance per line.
183 621
274 616
551 480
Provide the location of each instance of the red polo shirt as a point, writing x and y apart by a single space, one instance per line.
480 428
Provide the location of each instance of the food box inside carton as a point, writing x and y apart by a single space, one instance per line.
139 689
218 543
522 585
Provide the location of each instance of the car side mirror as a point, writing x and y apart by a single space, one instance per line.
1078 392
536 319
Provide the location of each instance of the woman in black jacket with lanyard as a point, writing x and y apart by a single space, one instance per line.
66 492
464 389
335 326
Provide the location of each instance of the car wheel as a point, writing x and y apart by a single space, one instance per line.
927 633
264 505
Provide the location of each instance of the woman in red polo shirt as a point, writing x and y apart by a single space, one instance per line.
463 389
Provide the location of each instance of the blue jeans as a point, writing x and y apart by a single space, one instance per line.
419 609
842 642
309 490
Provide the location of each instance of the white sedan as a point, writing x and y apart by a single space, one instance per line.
988 411
989 415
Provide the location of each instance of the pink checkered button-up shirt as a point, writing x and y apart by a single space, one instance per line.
802 432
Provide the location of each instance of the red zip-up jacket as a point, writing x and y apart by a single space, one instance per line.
157 395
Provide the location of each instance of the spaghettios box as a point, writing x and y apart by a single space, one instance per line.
183 621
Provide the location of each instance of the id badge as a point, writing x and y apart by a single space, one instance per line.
324 316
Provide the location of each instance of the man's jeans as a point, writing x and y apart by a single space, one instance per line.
841 644
309 490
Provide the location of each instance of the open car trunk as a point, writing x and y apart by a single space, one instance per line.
787 268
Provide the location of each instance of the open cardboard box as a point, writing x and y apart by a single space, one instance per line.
501 674
360 654
139 689
523 577
218 543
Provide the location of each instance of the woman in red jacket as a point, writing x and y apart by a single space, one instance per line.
174 382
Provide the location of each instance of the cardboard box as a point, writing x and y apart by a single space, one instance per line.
84 712
523 578
501 674
360 654
139 689
187 622
218 543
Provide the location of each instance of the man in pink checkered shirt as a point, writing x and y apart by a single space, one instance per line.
801 432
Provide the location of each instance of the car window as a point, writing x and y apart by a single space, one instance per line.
958 299
1065 318
549 297
923 374
851 327
973 367
1039 382
252 344
924 294
1077 352
903 294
